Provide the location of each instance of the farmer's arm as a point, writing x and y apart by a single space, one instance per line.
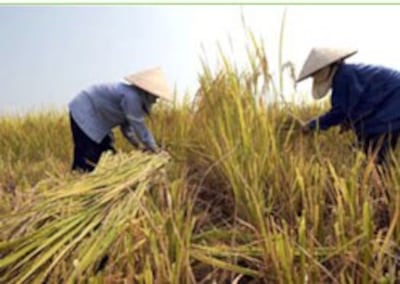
332 118
132 106
112 138
129 134
346 91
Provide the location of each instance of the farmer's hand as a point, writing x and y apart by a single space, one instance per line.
157 151
292 124
164 153
344 127
306 129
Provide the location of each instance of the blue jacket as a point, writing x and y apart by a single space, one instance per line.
365 96
102 107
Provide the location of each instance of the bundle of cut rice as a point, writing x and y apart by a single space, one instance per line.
76 222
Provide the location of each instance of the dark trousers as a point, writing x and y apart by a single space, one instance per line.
86 151
380 145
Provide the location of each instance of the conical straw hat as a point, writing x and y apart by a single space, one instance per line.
152 81
322 57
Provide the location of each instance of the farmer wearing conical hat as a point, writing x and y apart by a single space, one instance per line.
366 98
94 112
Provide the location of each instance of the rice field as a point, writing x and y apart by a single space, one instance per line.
239 195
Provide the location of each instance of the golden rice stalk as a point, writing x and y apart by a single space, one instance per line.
77 221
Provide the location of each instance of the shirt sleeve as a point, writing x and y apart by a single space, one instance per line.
333 117
132 107
129 134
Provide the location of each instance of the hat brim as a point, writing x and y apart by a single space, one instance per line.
152 81
310 71
153 91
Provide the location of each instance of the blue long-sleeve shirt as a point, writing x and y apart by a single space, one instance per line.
365 96
102 107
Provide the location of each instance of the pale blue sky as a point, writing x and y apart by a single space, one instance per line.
48 54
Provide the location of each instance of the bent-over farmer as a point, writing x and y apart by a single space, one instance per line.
95 111
365 98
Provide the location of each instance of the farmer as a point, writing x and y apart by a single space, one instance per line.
94 112
365 98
